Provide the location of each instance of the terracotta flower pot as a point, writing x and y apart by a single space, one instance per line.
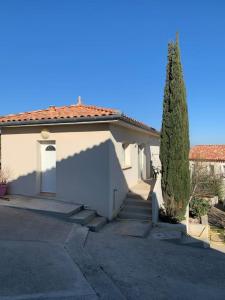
3 188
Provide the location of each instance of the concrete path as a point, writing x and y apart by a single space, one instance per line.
34 263
104 287
154 268
36 270
142 189
44 258
40 205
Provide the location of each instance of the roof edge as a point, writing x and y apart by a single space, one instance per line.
118 116
206 160
58 121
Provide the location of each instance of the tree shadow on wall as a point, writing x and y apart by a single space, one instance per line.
83 178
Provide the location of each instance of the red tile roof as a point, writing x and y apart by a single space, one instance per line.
208 152
71 113
63 112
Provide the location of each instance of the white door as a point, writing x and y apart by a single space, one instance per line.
140 162
48 168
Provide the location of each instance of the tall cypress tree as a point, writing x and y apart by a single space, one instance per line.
174 148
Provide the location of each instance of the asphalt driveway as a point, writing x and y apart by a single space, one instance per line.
158 269
34 263
46 258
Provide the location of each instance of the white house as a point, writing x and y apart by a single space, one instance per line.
212 159
211 156
79 154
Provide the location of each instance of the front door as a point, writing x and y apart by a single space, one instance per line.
48 168
141 162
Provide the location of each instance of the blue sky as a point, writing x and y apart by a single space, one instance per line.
113 53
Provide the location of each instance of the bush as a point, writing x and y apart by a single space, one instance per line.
164 217
219 188
199 207
204 184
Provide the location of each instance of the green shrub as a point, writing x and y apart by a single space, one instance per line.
219 188
199 207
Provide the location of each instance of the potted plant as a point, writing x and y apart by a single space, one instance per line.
3 182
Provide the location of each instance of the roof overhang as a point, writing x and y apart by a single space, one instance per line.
118 118
206 160
62 121
128 125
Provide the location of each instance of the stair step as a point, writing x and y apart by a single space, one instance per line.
134 216
76 210
83 217
97 223
137 202
141 196
42 205
143 212
138 209
140 190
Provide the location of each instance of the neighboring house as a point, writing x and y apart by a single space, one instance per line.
78 154
212 158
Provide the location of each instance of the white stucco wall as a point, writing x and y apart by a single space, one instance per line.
155 149
82 162
121 179
157 198
89 167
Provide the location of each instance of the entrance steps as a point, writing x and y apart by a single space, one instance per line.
88 218
83 217
74 213
137 205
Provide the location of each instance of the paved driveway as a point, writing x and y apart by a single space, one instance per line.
158 269
45 258
34 263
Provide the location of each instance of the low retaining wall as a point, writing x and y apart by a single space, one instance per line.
157 200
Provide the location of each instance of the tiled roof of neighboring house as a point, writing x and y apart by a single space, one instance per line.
71 113
208 152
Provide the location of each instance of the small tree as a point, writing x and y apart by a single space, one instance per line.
174 148
204 183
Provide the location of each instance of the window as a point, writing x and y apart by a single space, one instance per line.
50 148
223 170
126 156
211 169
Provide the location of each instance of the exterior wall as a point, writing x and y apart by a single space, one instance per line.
157 198
156 163
121 179
82 174
219 169
89 167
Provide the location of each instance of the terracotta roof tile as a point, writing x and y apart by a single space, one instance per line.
67 113
208 152
63 112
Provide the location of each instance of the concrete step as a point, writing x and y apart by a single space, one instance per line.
138 209
97 223
137 202
134 216
83 217
141 196
42 205
143 212
140 190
